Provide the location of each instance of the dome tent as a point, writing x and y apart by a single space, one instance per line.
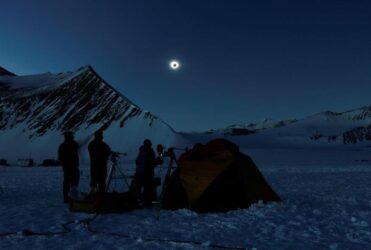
216 177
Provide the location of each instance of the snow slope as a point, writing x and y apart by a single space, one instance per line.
326 205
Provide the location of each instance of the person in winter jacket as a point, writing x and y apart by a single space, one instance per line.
68 155
99 152
145 163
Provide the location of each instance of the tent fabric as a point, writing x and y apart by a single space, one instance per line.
196 176
216 177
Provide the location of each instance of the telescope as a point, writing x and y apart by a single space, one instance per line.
163 152
115 155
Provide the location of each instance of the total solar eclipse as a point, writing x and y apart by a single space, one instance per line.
174 65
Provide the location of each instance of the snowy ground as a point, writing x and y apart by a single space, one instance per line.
326 205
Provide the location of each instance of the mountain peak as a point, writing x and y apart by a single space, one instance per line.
85 68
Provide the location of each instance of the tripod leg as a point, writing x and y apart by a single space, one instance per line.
109 178
164 185
124 177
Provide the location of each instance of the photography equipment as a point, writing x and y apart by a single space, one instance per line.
114 171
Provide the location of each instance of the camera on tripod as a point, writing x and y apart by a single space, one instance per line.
115 155
162 152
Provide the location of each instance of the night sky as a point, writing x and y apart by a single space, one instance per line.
241 61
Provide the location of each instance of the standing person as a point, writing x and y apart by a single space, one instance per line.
68 155
99 152
145 164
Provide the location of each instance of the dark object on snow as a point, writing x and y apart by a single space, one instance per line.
105 203
216 177
50 163
68 155
112 202
26 162
4 162
99 152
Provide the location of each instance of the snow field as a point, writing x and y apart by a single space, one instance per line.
325 206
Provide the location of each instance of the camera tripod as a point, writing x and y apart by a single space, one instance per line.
173 163
114 171
171 154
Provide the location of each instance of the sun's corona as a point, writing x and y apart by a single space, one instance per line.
174 65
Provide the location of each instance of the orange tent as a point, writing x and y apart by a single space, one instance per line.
216 177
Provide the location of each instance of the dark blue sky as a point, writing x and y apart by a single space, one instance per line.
242 61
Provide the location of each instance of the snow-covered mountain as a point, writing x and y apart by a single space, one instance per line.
251 128
4 72
35 110
322 129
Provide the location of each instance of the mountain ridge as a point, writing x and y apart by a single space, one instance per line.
4 72
80 101
326 128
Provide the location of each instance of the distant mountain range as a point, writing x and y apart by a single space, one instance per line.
35 110
251 128
323 129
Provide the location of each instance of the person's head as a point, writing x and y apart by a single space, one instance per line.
68 136
147 143
160 149
98 135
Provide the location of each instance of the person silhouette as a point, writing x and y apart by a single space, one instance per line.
99 153
68 155
145 164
